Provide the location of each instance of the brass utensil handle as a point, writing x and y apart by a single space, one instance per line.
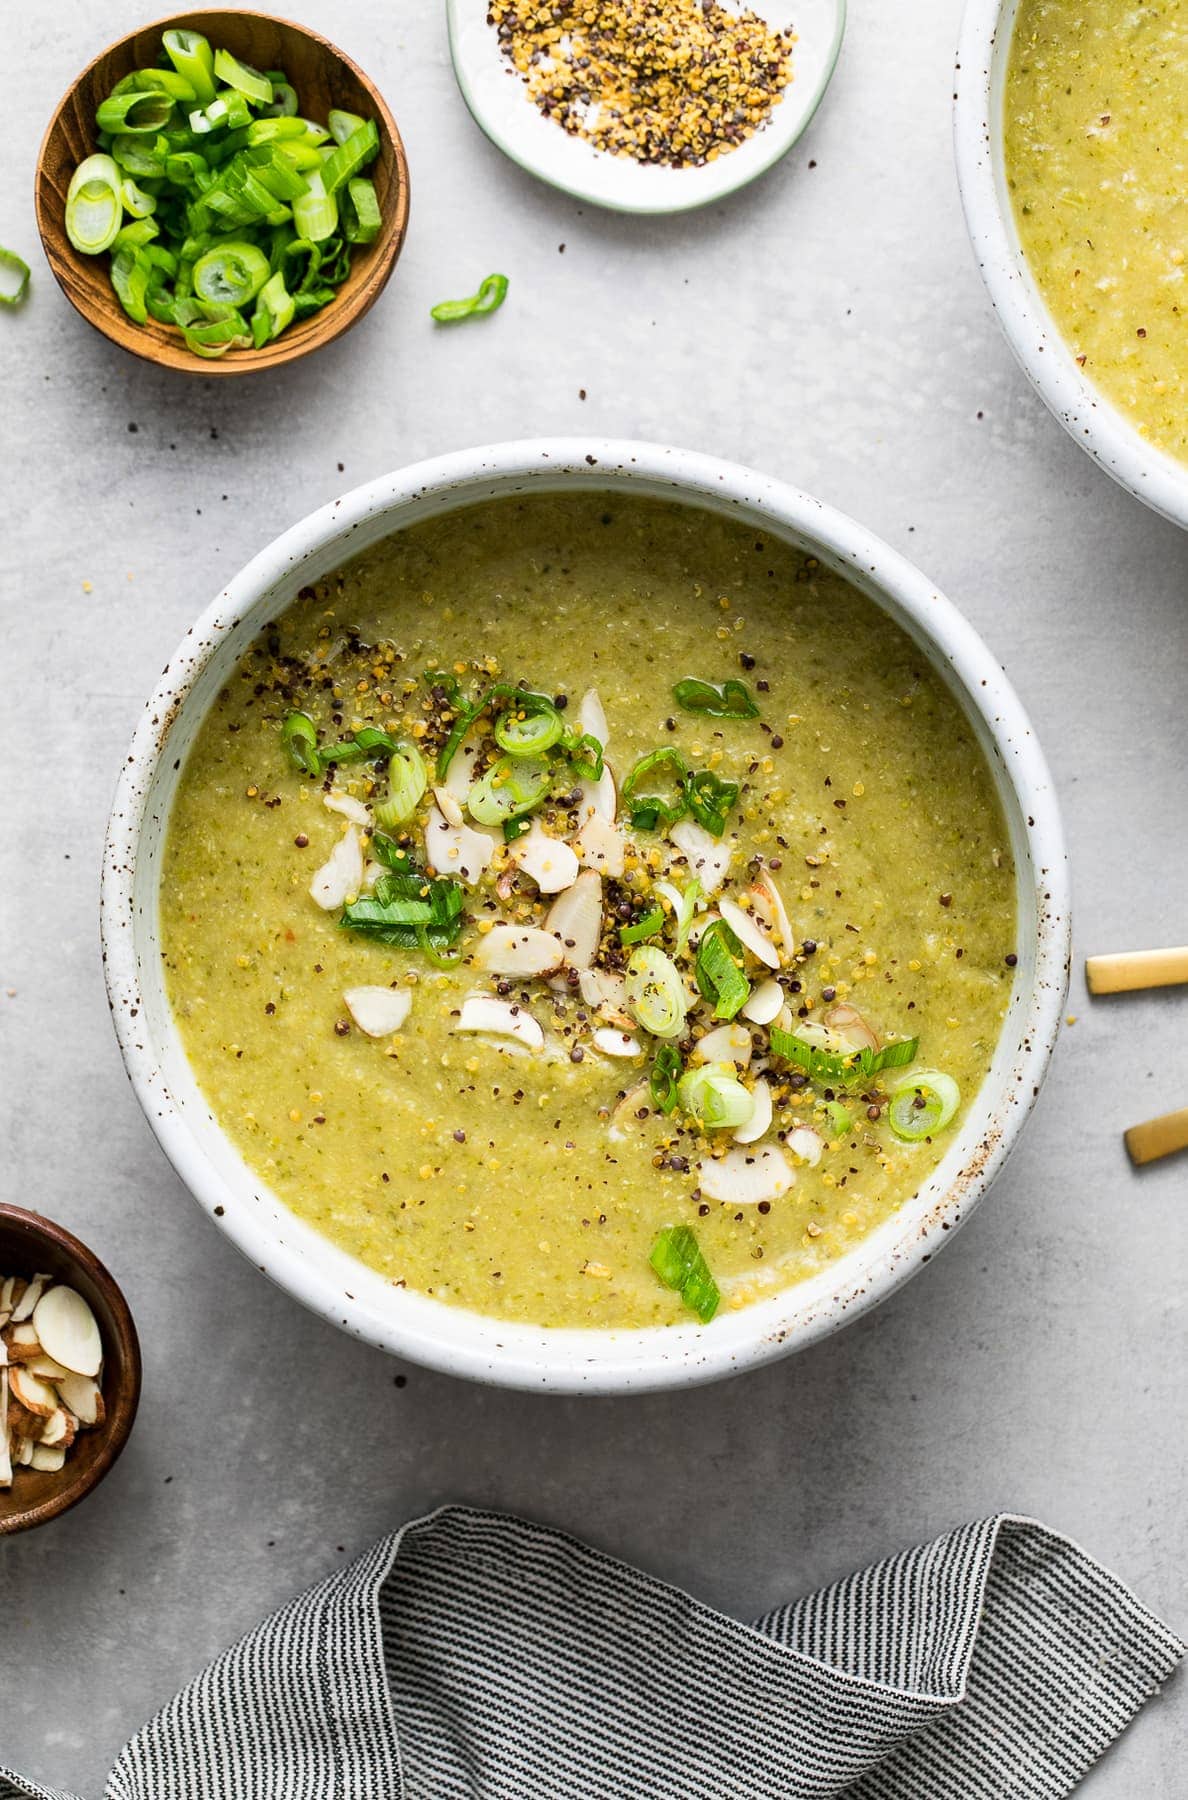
1158 1137
1127 970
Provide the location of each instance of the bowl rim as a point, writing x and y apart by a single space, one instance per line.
1086 412
452 1339
147 349
115 1432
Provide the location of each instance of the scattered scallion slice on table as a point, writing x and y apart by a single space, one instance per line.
923 1104
677 1259
14 278
212 164
489 299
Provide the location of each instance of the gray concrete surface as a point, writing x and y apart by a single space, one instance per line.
827 326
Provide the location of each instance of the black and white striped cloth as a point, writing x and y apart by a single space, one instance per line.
477 1657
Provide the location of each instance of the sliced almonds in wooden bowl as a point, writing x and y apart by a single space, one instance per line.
51 1368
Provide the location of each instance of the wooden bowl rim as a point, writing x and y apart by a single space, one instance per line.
352 312
125 1352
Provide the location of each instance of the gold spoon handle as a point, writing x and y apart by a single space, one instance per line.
1131 969
1158 1137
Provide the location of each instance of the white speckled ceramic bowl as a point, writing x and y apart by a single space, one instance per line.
1086 414
410 1324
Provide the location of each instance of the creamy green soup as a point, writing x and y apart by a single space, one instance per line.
1097 161
588 911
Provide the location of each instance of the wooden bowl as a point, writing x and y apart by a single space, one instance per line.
31 1245
323 78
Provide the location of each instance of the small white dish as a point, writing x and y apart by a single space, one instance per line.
1087 414
500 104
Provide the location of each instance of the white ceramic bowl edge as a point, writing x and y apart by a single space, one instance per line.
356 1298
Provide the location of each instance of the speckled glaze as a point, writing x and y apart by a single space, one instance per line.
336 1285
1160 481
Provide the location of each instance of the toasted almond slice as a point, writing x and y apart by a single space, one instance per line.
68 1331
341 875
59 1428
745 1177
501 1019
769 905
83 1396
626 1115
348 806
749 932
849 1024
725 1044
617 1043
22 1342
35 1395
49 1457
22 1452
592 717
449 806
548 861
460 851
602 988
519 950
47 1368
601 845
21 1422
25 1305
708 857
378 1011
764 1003
463 769
599 797
807 1144
576 918
759 1123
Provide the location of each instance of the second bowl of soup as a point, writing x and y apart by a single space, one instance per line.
572 930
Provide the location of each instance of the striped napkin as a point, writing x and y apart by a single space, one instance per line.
477 1657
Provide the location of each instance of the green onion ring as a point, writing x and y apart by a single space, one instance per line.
9 260
489 299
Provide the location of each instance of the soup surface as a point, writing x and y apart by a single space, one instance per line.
1097 162
526 1128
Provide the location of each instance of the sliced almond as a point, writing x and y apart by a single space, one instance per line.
725 1044
769 906
548 861
378 1011
47 1368
459 851
626 1114
341 875
601 845
745 1177
708 857
764 1003
749 932
617 1043
59 1428
35 1395
47 1457
576 918
68 1331
592 717
22 1452
599 797
25 1305
602 989
501 1019
22 1342
759 1123
463 770
807 1144
83 1396
449 806
849 1024
348 806
20 1421
519 950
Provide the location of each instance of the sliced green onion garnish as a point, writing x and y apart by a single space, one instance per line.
710 800
351 158
14 278
132 237
664 1076
688 907
342 125
585 754
193 58
243 78
136 156
712 1094
516 828
489 298
130 273
655 992
718 970
733 700
168 81
840 1070
513 785
407 908
137 111
839 1118
407 780
922 1105
530 727
499 690
359 210
300 737
218 336
651 811
274 310
677 1260
643 929
315 214
135 200
231 274
284 100
94 205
